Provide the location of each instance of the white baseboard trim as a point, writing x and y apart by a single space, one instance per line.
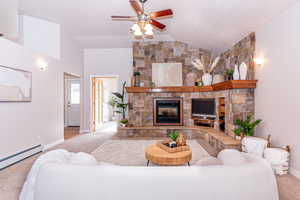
53 144
15 158
295 172
84 131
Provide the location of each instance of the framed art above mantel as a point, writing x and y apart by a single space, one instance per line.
15 85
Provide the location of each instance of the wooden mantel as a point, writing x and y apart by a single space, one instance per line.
226 85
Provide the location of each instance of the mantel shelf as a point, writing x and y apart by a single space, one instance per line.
226 85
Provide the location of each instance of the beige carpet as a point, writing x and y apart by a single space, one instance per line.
132 152
12 178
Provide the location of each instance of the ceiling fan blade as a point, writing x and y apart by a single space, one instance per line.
136 7
124 18
162 13
157 24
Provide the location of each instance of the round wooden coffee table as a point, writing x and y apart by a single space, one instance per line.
161 157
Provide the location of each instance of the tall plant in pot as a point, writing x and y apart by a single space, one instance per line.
246 127
119 101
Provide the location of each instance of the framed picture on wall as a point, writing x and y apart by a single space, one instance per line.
167 74
15 85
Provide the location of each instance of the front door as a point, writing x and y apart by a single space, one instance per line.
73 102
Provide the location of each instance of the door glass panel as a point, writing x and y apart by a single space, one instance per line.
75 93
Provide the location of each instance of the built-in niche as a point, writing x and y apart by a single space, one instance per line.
209 112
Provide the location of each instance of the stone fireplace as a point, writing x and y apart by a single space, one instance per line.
167 112
156 111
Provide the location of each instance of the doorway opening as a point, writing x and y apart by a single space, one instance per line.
72 97
103 113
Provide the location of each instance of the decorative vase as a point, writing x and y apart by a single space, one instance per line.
243 71
207 79
236 74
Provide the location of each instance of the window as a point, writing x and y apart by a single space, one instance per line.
75 93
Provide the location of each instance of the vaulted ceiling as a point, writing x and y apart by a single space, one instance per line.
210 24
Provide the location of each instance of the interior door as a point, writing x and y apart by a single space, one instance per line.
73 102
98 100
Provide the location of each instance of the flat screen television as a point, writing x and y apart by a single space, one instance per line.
204 108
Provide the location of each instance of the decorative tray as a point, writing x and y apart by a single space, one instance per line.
162 145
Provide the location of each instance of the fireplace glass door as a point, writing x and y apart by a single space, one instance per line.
168 111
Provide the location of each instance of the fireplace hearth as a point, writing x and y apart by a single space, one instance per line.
168 112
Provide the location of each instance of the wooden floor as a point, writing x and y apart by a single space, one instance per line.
71 132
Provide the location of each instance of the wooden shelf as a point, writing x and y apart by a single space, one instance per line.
227 85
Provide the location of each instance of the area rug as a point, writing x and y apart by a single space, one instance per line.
132 152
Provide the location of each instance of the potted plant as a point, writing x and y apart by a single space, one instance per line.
124 122
118 100
173 136
113 103
246 127
229 74
137 77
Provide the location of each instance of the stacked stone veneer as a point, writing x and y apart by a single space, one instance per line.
144 54
239 102
243 51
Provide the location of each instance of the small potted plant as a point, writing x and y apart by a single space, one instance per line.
173 136
124 122
229 74
137 77
246 127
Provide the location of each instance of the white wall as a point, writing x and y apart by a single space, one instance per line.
40 121
104 62
278 91
41 36
9 19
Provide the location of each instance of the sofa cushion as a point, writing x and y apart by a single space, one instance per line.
231 157
82 159
208 161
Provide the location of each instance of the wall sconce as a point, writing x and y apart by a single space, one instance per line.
259 61
42 65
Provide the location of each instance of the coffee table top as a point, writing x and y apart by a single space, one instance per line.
161 157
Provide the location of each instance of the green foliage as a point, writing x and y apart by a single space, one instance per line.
173 135
152 84
246 127
118 101
136 73
230 72
124 121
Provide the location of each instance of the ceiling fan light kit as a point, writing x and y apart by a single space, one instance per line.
144 23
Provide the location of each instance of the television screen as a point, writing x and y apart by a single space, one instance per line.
203 107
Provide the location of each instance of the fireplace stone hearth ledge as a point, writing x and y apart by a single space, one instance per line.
216 139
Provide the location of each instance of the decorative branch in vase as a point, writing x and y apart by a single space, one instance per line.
206 77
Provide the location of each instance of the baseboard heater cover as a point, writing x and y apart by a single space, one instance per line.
13 159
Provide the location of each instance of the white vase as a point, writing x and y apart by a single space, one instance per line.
243 71
236 74
207 79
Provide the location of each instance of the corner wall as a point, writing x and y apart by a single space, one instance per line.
278 94
41 121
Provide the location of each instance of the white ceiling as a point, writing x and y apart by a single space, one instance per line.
210 24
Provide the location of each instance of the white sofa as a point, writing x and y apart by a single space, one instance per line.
253 180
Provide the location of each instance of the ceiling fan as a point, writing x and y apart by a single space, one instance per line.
144 22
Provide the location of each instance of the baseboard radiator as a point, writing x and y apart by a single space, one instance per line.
12 159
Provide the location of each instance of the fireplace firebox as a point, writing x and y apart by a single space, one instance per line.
168 112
